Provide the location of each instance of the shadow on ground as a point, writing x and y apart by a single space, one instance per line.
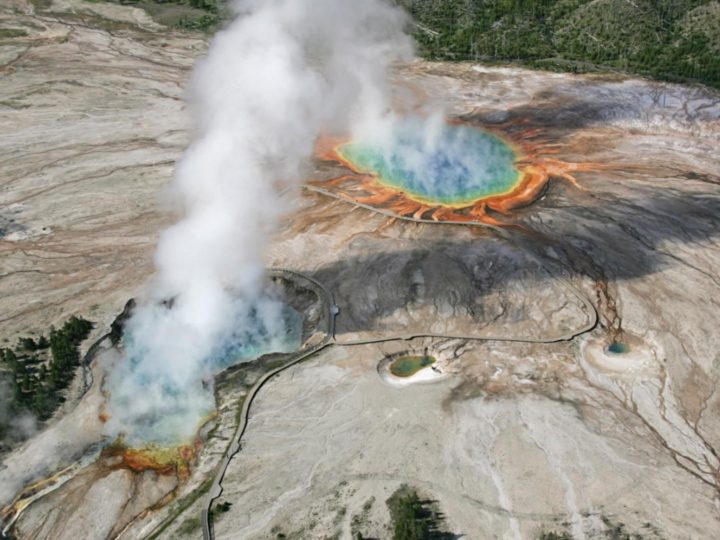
568 234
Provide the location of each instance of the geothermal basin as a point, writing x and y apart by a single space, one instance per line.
445 164
177 403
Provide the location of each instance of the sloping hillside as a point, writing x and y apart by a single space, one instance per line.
668 39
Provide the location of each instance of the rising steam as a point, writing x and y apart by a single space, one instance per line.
283 72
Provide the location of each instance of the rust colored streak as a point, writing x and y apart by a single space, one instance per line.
533 163
175 461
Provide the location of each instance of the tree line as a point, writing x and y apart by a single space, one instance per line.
38 370
677 40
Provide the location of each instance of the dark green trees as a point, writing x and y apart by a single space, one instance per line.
413 518
669 39
34 378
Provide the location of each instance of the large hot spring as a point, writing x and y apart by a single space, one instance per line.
450 165
163 399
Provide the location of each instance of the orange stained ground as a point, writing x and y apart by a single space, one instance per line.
169 461
534 163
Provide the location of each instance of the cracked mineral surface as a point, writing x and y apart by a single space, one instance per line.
536 424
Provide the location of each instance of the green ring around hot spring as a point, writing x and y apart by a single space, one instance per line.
502 178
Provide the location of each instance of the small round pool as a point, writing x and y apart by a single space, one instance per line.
618 348
406 366
452 165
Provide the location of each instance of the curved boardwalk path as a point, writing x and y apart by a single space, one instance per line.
391 214
234 446
332 311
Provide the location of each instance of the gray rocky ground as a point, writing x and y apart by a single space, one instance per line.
536 428
93 120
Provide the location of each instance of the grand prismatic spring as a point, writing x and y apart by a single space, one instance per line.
454 167
457 172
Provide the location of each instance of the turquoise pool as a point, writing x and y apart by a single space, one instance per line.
456 166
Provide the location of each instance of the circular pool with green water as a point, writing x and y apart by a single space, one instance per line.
452 165
617 347
406 366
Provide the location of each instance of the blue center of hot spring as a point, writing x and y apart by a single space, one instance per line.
157 400
450 165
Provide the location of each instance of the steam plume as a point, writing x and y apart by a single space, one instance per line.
283 72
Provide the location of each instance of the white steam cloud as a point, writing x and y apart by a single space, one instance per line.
426 156
281 74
